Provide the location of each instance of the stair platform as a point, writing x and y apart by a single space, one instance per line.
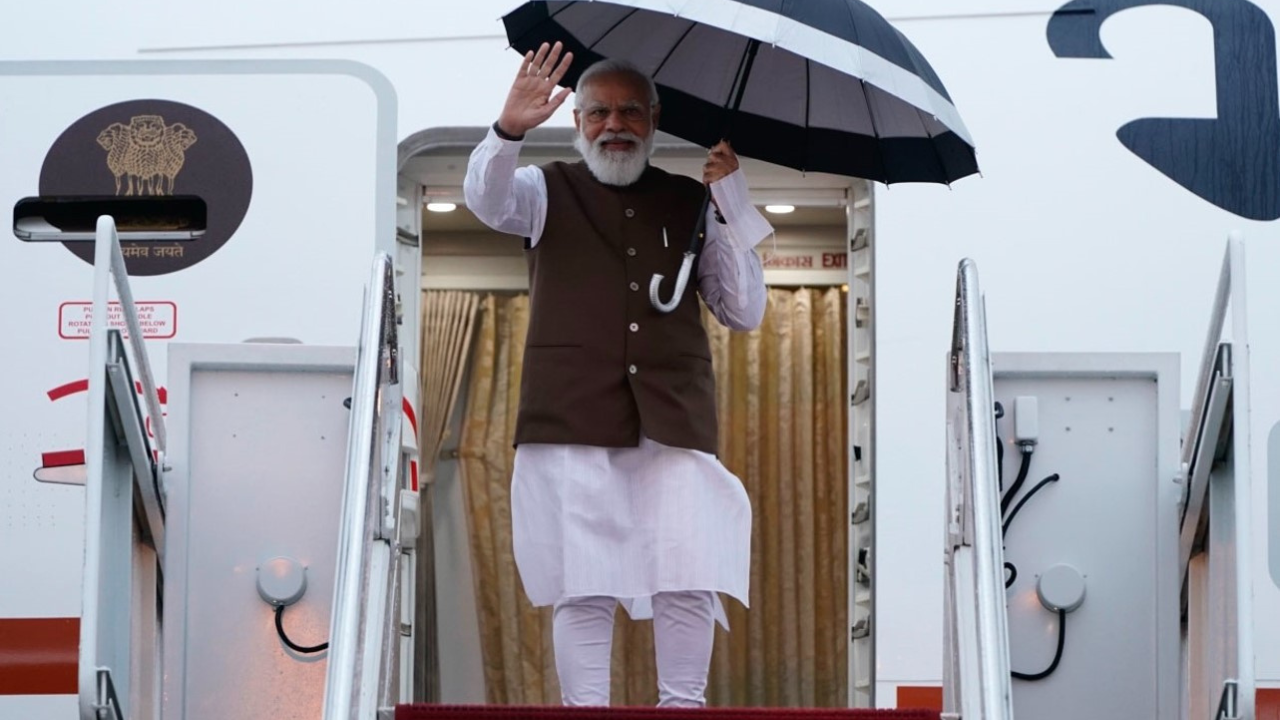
504 712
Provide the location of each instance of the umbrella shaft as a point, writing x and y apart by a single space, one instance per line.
700 227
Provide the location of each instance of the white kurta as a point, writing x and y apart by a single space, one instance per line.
629 522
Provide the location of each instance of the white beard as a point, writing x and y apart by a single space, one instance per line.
615 167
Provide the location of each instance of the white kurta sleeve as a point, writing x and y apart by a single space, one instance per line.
730 276
505 197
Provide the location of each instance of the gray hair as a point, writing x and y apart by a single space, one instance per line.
613 67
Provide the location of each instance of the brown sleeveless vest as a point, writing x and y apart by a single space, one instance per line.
601 365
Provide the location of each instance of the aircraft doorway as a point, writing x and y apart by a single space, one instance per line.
782 397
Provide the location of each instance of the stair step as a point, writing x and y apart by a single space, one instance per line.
478 712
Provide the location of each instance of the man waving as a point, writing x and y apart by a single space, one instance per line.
617 495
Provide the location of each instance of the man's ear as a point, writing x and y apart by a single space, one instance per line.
577 119
657 113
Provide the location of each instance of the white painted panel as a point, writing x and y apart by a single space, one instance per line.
258 457
317 143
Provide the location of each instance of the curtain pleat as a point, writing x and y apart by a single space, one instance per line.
823 605
765 551
781 397
787 578
448 324
752 475
476 465
803 472
833 537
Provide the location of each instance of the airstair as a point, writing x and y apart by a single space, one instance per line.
1196 510
246 554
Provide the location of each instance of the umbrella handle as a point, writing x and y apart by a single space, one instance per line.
682 279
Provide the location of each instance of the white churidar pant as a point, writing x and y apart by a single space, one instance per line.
683 635
660 530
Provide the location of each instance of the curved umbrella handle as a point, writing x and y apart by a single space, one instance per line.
682 279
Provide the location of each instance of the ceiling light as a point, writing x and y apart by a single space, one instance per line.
779 209
442 206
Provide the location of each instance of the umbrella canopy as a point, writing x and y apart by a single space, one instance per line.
815 85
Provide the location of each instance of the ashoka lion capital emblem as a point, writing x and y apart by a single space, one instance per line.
146 155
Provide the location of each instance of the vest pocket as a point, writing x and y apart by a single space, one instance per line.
696 356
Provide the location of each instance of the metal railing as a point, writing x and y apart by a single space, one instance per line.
364 630
977 684
1229 702
1216 452
122 464
107 254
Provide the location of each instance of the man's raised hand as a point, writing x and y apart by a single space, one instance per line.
530 102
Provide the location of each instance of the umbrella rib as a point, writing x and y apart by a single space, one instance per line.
871 115
875 131
739 79
853 27
674 46
550 16
606 33
871 112
942 165
566 6
737 74
753 46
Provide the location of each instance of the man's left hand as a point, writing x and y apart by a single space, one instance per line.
721 162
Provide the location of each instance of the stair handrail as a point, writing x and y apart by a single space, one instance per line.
111 389
110 255
1221 404
977 682
368 549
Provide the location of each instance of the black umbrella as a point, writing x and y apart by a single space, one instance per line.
815 85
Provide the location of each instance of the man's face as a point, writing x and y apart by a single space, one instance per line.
615 127
615 103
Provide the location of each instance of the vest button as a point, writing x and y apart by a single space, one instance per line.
635 286
632 369
635 327
631 252
629 212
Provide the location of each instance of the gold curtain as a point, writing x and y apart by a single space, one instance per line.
781 397
448 324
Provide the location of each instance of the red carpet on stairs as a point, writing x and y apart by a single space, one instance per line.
507 712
